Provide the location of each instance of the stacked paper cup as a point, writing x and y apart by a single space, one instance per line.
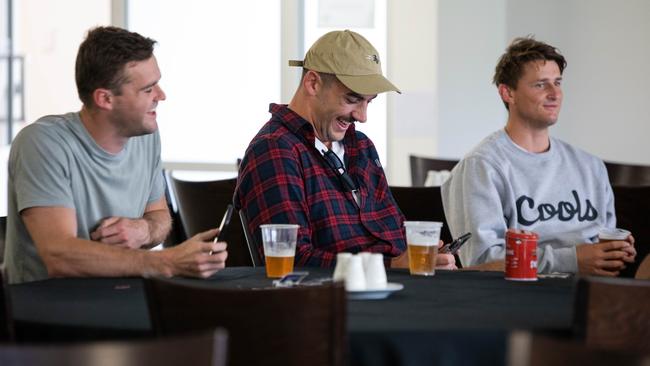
361 272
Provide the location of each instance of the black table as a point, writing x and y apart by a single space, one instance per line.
453 310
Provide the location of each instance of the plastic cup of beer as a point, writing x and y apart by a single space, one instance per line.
279 248
422 245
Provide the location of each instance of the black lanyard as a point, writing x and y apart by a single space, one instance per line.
337 166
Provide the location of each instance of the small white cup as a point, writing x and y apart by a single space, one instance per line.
355 279
375 272
341 269
365 257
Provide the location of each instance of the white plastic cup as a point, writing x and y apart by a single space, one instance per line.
355 279
365 258
375 272
341 269
279 248
422 245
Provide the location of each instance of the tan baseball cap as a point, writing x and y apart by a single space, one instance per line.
350 57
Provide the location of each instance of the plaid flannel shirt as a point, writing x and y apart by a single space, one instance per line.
284 179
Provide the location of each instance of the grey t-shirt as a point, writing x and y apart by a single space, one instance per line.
562 194
54 162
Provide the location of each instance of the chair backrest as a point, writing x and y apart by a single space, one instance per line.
3 234
530 349
270 326
612 313
254 247
632 205
176 234
201 206
628 174
420 166
203 349
7 332
422 204
643 273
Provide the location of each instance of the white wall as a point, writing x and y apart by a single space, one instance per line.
446 112
607 47
471 37
412 53
48 33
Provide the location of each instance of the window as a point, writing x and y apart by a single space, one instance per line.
220 64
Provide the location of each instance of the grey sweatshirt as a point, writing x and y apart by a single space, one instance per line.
562 194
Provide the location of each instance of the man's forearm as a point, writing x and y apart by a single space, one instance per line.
159 224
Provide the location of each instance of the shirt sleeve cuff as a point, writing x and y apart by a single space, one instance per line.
558 260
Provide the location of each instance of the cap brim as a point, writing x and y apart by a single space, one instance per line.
368 84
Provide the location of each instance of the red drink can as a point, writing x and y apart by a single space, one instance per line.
521 255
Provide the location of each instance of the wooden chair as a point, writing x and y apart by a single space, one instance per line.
201 206
269 326
7 330
176 234
632 204
621 174
643 273
530 349
205 349
420 166
3 233
612 313
422 204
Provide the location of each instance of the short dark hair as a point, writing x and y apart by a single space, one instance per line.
521 51
102 58
327 78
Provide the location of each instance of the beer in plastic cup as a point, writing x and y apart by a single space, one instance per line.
422 245
279 248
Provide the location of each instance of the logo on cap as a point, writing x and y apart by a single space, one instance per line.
374 58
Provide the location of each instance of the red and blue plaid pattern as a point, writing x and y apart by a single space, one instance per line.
283 179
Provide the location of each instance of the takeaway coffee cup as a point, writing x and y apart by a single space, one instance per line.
611 234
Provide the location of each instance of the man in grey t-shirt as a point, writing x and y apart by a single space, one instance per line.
86 194
522 178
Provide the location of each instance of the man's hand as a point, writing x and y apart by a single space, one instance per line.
197 256
445 261
631 250
605 259
401 261
123 232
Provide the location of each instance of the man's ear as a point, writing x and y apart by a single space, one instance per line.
506 93
103 98
312 82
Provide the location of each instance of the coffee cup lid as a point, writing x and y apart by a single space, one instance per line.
613 234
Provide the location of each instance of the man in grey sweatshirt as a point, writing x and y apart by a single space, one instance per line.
520 177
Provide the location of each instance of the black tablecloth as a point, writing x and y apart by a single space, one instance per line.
448 312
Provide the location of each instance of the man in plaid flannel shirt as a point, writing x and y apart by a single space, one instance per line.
309 166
